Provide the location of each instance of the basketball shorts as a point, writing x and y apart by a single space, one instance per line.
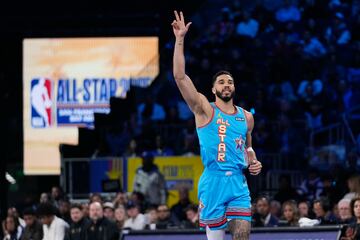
223 195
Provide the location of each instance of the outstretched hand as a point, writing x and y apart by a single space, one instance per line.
179 27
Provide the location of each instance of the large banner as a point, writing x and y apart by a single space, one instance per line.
178 171
67 80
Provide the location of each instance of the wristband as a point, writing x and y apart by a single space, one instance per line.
250 149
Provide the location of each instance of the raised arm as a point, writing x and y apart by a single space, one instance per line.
197 102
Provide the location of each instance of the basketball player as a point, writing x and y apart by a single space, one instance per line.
224 132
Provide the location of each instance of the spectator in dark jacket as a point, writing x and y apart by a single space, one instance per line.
262 216
165 221
100 228
33 229
78 223
178 210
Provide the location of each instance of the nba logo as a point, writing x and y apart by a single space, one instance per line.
41 95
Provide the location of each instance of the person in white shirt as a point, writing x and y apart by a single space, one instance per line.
136 220
54 228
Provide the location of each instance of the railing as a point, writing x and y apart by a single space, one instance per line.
81 176
339 133
334 132
76 175
273 176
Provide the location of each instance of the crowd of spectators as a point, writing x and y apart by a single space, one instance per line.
54 217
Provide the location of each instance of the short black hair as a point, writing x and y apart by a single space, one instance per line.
262 197
29 211
45 209
324 203
76 205
222 72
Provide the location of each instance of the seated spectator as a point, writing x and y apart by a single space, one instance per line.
120 199
85 209
120 216
44 198
345 216
178 210
100 227
96 197
54 228
321 208
151 218
304 210
165 220
64 210
33 229
192 217
353 231
136 220
108 208
12 228
12 211
139 199
275 208
78 225
56 195
290 214
262 216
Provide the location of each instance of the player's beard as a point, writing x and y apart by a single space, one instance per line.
225 98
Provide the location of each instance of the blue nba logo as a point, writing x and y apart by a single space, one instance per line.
41 101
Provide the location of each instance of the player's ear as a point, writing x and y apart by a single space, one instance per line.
213 90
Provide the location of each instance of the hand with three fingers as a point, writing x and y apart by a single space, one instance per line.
180 28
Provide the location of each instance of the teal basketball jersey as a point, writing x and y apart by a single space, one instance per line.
222 140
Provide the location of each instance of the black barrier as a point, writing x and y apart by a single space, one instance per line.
275 233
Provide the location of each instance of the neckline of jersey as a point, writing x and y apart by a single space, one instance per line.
231 114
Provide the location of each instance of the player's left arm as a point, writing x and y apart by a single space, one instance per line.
254 165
